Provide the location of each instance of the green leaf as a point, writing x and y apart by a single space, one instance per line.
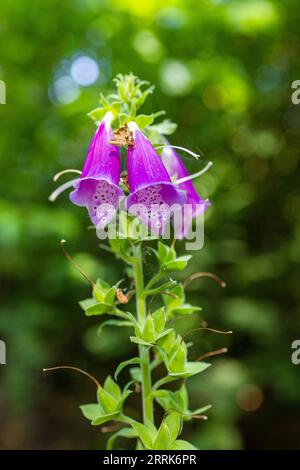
145 433
191 368
181 397
166 127
97 114
115 107
163 381
95 414
173 422
143 120
119 323
100 290
163 440
161 288
159 320
177 362
134 360
175 300
135 373
177 265
174 400
125 432
112 388
110 296
92 411
186 309
142 98
100 309
107 401
104 418
167 341
136 340
87 303
148 333
183 445
162 253
164 333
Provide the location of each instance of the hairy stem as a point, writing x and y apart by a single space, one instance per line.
143 351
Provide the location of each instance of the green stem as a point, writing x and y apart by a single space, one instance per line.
143 351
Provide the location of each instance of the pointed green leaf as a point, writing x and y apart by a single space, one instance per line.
110 296
104 418
87 303
135 373
166 127
186 309
145 433
177 265
100 309
191 368
159 319
119 323
183 445
173 422
107 401
100 289
112 388
136 340
97 114
148 334
143 120
125 432
162 252
134 360
163 440
92 411
162 287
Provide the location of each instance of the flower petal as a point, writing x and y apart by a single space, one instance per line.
97 188
152 191
195 205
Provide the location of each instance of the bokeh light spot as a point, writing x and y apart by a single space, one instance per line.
249 397
176 78
63 90
84 70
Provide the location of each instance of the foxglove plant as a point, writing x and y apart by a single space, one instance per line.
154 188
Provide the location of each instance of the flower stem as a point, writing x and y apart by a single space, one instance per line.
143 351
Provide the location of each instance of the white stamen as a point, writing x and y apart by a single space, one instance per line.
63 172
195 175
61 189
108 117
195 155
132 126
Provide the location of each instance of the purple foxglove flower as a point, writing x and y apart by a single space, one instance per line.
194 205
98 187
152 191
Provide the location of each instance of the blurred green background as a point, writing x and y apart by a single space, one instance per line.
223 70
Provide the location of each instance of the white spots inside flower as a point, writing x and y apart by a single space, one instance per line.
151 208
104 200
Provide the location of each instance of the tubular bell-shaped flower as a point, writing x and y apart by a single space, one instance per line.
152 191
98 187
194 205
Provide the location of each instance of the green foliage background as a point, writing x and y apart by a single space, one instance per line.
223 70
